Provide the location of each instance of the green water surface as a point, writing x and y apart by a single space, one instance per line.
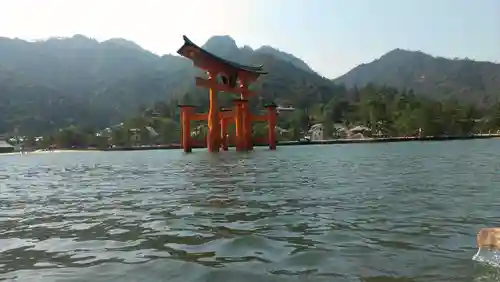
354 212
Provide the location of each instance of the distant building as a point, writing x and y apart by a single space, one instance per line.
359 132
152 131
199 130
135 135
281 131
316 132
340 131
359 129
6 147
284 109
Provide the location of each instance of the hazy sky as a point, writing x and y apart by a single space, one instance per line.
332 36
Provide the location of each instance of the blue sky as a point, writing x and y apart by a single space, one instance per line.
332 36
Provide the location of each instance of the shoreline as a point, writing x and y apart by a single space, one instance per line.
279 144
321 142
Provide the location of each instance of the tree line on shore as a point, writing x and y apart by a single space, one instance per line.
385 111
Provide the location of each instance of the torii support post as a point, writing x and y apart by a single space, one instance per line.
238 122
224 121
246 119
271 126
186 113
213 136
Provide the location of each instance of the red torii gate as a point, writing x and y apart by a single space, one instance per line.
235 78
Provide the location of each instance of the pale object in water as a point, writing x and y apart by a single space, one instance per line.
488 243
488 238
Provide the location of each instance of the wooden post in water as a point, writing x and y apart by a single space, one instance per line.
271 126
186 111
225 115
213 136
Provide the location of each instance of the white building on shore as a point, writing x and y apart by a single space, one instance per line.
6 147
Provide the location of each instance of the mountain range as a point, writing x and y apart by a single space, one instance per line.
436 77
46 85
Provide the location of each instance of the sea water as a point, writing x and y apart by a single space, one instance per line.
351 212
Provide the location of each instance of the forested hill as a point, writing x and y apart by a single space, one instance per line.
436 77
51 84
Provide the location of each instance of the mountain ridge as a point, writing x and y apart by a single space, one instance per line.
113 79
433 76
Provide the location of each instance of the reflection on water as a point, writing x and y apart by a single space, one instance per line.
364 212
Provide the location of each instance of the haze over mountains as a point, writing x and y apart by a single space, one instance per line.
47 85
